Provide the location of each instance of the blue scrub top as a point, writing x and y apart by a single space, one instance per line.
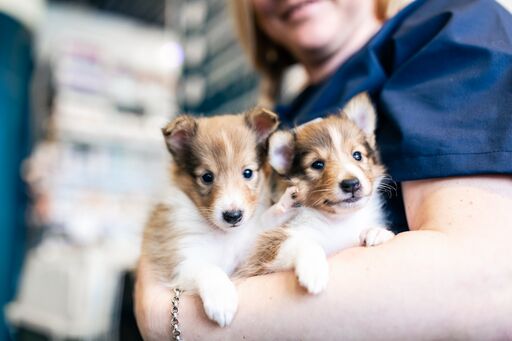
440 75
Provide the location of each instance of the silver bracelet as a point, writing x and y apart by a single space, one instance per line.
175 325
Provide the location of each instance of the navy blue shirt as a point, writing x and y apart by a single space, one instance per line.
440 75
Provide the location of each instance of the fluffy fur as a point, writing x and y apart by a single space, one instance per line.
215 207
335 165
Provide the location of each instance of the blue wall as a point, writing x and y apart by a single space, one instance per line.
15 73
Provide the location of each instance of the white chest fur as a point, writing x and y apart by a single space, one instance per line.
207 255
337 233
312 235
199 242
223 249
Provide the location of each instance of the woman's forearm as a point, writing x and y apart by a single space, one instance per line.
422 284
451 279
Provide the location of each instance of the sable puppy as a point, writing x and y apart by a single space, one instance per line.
335 165
215 207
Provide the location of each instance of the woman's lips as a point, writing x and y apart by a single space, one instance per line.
297 10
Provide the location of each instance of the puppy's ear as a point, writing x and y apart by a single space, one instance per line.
179 133
262 121
281 150
362 112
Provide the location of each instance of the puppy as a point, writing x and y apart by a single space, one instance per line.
215 206
335 165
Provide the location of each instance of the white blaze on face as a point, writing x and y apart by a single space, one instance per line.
337 139
231 195
347 161
356 172
235 194
230 199
228 148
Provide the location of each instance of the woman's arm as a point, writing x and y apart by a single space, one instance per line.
449 278
152 304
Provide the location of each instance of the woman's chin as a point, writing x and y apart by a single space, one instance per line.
314 36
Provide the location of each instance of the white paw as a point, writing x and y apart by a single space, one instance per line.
220 301
313 273
375 236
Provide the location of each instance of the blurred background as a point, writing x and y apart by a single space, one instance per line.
85 87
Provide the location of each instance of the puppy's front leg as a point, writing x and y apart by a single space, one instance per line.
283 210
309 261
217 291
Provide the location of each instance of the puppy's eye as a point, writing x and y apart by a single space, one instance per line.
247 173
207 178
318 165
357 156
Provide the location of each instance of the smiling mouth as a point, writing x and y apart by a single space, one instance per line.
350 200
295 7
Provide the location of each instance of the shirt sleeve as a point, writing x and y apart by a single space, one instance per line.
446 107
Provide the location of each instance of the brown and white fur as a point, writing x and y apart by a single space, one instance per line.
212 214
335 165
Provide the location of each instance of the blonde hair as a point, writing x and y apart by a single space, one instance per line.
270 59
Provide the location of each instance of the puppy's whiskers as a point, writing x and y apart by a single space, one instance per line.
320 190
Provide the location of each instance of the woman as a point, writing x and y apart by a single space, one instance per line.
440 74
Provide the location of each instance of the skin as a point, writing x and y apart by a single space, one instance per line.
450 277
323 35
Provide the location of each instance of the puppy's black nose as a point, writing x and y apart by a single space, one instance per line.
232 217
350 185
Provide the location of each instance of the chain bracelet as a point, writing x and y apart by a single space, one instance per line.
175 326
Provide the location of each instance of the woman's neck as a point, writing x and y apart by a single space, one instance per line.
320 69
